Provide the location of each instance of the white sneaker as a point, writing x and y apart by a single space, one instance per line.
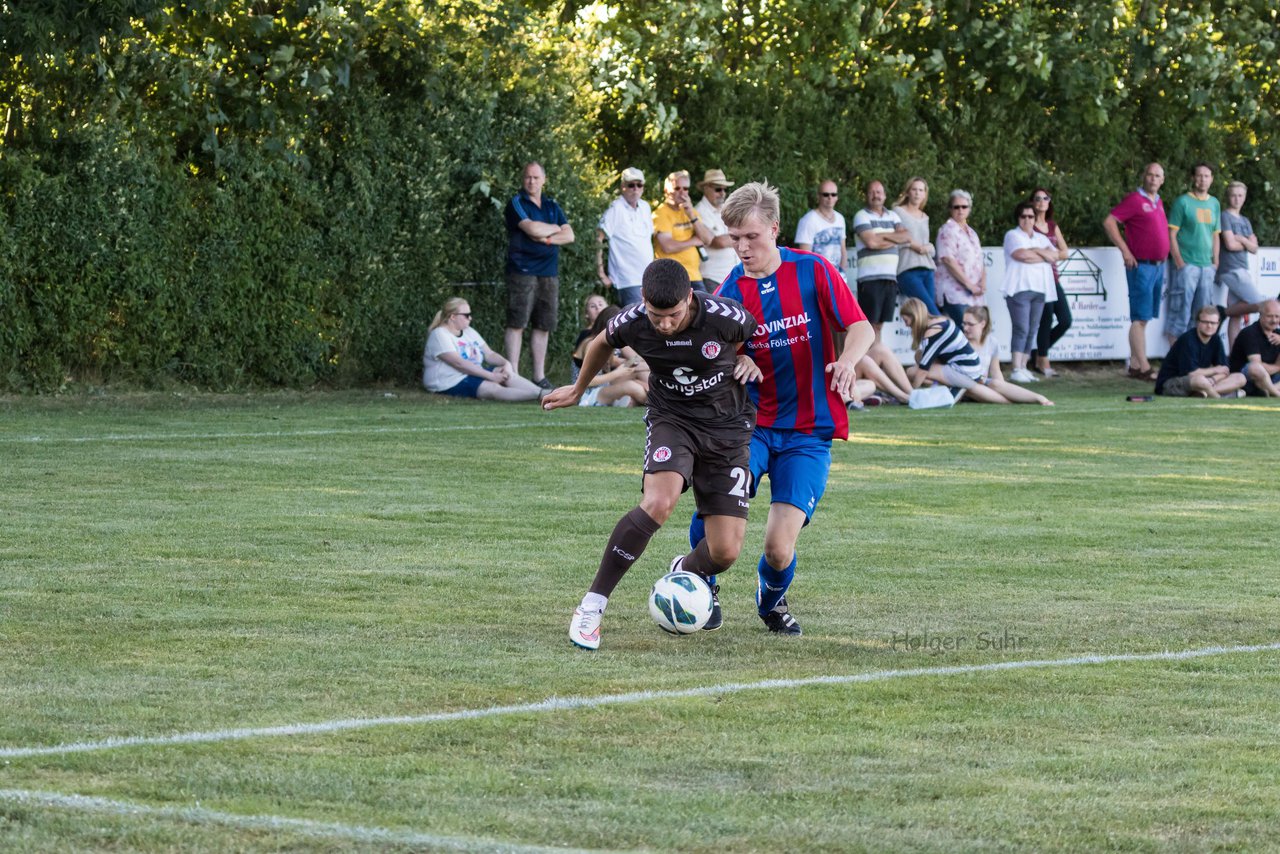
584 629
1022 375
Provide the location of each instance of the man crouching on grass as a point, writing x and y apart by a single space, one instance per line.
697 427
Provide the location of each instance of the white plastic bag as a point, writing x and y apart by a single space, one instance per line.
931 397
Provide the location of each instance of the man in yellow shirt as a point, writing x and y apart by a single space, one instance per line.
678 232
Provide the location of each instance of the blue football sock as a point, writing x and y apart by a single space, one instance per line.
697 530
773 583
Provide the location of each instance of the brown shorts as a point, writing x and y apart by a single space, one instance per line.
533 301
717 464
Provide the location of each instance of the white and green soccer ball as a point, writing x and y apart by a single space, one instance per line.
680 603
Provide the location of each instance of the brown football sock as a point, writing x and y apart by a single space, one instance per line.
699 561
626 544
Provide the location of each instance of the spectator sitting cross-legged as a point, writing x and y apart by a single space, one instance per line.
1196 364
1256 353
458 362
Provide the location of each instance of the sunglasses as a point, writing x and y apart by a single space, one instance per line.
829 195
959 207
1026 216
634 185
1041 199
717 189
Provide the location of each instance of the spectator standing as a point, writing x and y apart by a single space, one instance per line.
962 268
1256 353
1144 246
1058 310
720 255
1028 284
678 231
1194 223
1196 364
823 229
458 362
1238 241
915 259
536 229
878 233
627 226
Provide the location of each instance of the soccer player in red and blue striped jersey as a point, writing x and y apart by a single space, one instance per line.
804 308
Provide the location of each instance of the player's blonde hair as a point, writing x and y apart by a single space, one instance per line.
450 307
755 198
1240 184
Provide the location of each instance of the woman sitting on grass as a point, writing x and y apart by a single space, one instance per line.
943 355
622 382
977 329
458 362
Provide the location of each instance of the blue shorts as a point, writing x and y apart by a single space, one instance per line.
466 387
1146 283
797 465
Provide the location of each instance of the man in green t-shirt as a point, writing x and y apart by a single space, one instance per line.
1194 223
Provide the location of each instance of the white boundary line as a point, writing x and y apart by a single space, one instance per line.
305 827
287 434
554 704
448 428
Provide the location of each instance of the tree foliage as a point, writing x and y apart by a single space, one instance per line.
240 192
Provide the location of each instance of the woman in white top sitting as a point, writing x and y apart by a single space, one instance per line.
458 362
943 353
977 329
1028 285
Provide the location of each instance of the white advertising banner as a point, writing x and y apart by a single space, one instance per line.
1098 293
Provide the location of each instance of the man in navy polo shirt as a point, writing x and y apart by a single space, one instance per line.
536 229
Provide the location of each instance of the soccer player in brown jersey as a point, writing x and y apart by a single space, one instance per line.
697 427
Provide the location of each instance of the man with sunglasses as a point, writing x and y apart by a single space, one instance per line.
627 227
678 231
823 229
720 257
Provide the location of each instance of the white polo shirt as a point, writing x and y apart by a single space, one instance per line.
630 233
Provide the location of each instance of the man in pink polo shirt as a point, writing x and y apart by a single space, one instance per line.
1144 247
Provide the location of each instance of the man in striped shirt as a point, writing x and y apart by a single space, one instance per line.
878 232
802 305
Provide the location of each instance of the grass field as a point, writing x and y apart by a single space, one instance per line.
185 577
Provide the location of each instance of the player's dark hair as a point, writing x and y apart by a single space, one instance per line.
1022 206
1201 165
665 283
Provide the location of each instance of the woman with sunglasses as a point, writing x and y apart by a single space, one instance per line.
1028 284
1056 318
962 269
458 362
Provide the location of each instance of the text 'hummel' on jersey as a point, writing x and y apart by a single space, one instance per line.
691 372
